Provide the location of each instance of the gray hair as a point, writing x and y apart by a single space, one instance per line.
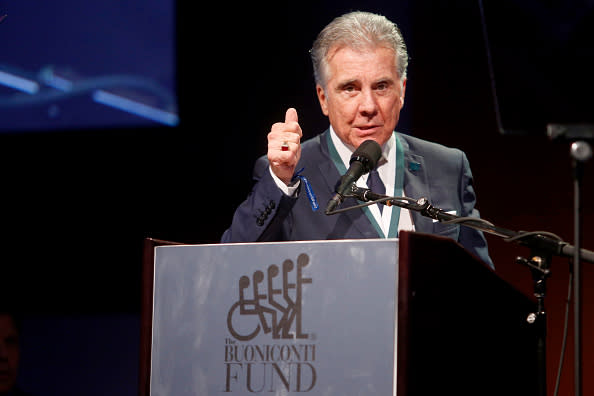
357 30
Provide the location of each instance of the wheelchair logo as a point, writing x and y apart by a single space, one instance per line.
271 309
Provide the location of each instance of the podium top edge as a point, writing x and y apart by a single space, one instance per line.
337 241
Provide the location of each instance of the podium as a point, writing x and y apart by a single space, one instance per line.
417 315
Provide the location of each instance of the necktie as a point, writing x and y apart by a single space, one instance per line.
376 185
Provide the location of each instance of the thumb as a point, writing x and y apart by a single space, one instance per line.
291 115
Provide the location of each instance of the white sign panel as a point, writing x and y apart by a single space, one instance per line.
288 318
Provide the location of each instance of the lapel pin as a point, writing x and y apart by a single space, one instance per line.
414 166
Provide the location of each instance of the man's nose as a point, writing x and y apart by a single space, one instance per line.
368 104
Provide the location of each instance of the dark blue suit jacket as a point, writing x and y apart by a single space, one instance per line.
439 173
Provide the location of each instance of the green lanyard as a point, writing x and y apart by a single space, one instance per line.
398 183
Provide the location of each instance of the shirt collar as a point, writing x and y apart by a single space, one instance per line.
345 151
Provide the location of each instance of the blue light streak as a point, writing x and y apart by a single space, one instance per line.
134 107
19 83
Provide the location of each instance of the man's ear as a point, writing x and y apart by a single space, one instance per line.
322 98
402 95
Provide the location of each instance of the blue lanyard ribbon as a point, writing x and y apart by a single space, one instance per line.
311 196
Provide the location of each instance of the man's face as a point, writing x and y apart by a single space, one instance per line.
9 352
363 95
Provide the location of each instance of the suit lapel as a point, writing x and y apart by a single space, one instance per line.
416 184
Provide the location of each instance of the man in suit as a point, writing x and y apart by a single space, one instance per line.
360 61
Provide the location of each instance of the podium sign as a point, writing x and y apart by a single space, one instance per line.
315 318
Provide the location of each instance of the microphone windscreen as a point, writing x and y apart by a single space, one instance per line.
369 152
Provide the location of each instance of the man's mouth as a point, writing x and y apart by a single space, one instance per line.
367 128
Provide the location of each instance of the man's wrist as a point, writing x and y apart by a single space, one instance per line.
287 190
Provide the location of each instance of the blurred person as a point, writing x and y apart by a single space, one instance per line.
9 355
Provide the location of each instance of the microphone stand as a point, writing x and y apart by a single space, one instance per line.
580 152
543 246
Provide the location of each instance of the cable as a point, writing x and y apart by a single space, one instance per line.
490 66
564 338
468 219
522 235
409 202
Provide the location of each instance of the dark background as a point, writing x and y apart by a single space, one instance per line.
77 203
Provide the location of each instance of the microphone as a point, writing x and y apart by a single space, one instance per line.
362 161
